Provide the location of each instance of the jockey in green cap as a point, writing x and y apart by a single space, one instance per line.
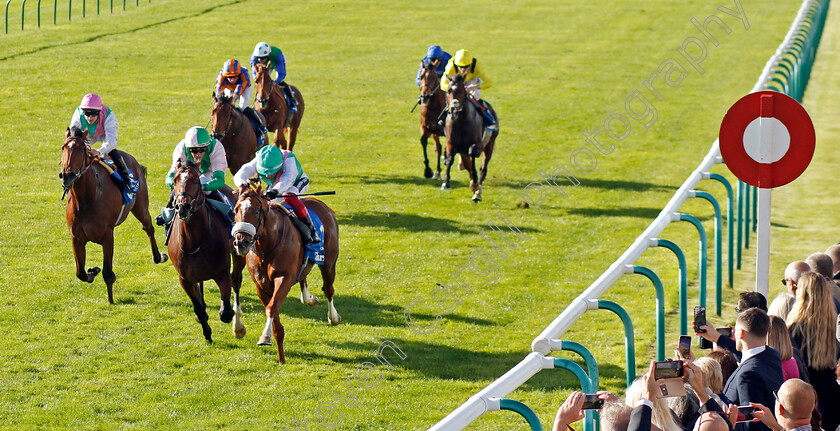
209 156
281 171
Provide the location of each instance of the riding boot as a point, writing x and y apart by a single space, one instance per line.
442 117
305 235
313 233
290 98
127 177
489 120
167 213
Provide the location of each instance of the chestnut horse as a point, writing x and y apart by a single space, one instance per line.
432 101
464 128
95 206
234 130
200 248
271 102
276 256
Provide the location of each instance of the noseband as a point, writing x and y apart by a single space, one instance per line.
70 142
192 205
244 227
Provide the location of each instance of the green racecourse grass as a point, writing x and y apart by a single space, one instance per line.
70 361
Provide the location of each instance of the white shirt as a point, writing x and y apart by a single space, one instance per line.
749 353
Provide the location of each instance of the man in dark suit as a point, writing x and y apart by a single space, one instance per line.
760 370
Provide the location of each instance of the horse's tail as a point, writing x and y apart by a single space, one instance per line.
145 171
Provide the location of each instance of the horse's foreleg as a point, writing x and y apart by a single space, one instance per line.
108 265
265 338
438 150
236 282
279 335
226 312
448 162
328 274
488 153
193 290
424 141
290 133
80 253
282 285
280 139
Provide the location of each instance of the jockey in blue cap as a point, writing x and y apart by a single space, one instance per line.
436 57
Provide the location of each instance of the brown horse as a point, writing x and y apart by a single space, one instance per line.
201 249
465 128
95 206
432 101
276 256
234 130
271 102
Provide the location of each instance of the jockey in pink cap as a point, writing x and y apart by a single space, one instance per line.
101 126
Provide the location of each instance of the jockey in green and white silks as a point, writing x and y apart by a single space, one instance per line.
280 170
209 156
100 123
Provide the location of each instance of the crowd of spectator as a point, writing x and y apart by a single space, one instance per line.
780 366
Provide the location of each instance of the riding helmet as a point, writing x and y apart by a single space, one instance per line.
463 58
197 137
262 50
269 160
91 101
231 68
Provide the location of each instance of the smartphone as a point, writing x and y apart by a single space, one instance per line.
668 369
699 319
685 346
745 414
592 402
726 331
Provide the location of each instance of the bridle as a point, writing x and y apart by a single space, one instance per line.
220 136
263 96
425 96
456 105
69 143
193 205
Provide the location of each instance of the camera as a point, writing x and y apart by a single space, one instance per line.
699 319
592 402
745 414
668 369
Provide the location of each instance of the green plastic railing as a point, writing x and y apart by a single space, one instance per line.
730 221
718 246
55 11
660 308
629 338
683 274
702 264
522 409
585 385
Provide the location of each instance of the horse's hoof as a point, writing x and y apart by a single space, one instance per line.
473 186
163 258
436 176
427 173
476 198
92 273
334 322
226 317
239 332
445 186
264 341
312 301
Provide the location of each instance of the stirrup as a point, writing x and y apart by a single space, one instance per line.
492 128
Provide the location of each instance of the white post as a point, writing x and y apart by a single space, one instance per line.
762 244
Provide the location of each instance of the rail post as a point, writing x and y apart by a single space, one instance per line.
730 219
702 265
585 385
629 338
718 246
683 274
660 306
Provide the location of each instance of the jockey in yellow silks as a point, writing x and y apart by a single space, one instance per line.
475 78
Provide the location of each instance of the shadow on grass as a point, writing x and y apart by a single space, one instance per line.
458 179
647 213
452 363
417 223
624 185
360 311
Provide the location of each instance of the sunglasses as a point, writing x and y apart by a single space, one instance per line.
776 397
198 150
90 112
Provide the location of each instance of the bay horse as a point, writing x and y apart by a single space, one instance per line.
234 130
432 101
275 255
95 206
201 249
464 128
271 102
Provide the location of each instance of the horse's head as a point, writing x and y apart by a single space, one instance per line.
189 194
429 83
262 82
456 96
251 213
75 157
222 115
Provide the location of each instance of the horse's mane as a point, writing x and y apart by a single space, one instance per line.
184 163
223 99
458 79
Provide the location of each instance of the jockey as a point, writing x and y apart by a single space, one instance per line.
475 79
436 57
209 156
281 171
101 125
235 79
273 58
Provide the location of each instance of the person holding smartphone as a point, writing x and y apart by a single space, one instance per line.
793 407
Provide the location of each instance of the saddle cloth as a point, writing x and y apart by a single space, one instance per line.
129 191
314 251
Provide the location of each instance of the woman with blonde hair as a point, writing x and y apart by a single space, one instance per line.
661 415
713 377
811 326
779 339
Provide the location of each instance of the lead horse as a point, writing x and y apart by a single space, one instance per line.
432 101
276 258
95 206
465 128
234 130
271 102
201 249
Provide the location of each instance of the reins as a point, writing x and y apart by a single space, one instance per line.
81 171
